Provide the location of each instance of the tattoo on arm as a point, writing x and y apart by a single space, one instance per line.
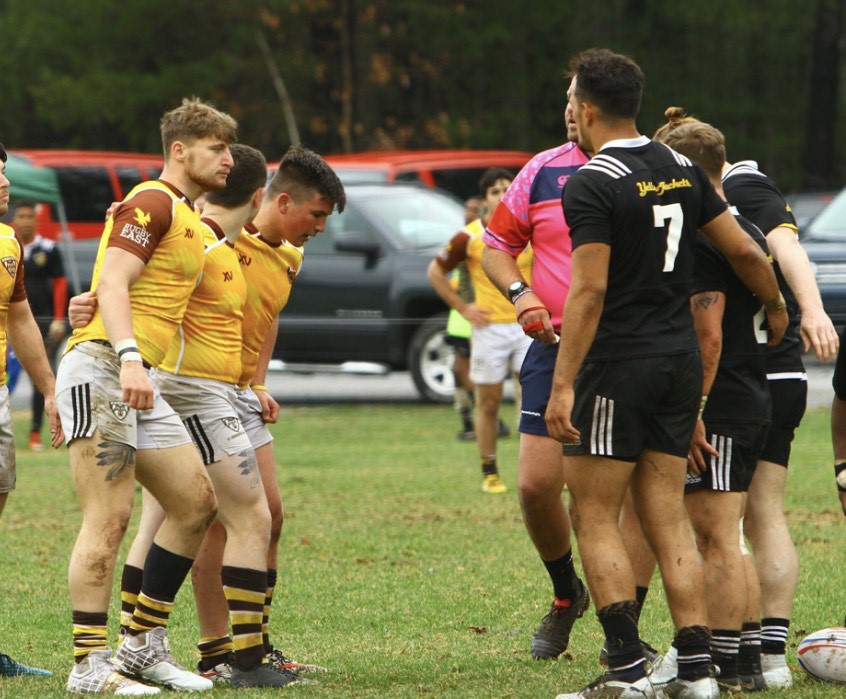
116 457
704 300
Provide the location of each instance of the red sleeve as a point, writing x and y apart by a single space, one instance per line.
18 291
454 253
60 296
140 223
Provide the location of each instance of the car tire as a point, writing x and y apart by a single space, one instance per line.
430 361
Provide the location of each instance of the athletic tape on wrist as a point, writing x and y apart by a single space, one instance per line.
702 403
128 343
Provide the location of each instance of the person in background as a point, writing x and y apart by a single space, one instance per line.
16 319
499 344
47 292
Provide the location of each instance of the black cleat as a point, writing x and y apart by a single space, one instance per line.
553 634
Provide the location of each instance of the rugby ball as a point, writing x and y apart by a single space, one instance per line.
822 654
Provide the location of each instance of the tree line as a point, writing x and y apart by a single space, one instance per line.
348 75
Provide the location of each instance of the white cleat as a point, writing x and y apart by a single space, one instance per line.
97 675
703 688
607 688
776 673
665 668
147 656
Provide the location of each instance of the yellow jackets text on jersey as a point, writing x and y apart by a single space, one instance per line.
160 294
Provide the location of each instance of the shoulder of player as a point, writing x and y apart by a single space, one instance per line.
7 231
9 241
148 200
743 171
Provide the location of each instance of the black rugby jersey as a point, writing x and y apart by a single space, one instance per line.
740 392
759 200
646 201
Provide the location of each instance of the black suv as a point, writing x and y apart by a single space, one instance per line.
362 299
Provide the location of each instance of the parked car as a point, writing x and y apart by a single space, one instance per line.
455 171
362 295
89 182
824 239
806 205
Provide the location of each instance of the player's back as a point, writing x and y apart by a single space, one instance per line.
739 392
646 201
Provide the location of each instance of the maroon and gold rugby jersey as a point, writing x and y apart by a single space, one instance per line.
160 225
270 270
208 343
11 284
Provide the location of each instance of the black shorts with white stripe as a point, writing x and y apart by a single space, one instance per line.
739 445
624 407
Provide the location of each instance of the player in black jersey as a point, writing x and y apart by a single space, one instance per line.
758 198
633 212
838 425
728 440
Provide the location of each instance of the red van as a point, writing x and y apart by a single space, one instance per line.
89 182
456 171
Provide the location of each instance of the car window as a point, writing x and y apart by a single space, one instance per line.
361 176
128 178
86 191
419 218
830 223
463 182
324 243
412 177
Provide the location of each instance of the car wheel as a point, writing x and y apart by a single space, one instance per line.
430 360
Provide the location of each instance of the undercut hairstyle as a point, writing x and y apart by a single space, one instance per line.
3 155
195 119
247 174
702 143
675 116
490 177
611 81
301 173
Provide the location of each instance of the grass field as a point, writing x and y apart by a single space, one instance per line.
399 574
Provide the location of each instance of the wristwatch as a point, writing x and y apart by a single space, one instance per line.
515 288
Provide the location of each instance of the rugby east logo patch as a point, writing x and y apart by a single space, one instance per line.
292 275
11 265
233 423
121 410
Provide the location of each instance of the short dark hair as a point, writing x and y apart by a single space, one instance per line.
491 175
3 155
25 204
301 172
611 81
247 174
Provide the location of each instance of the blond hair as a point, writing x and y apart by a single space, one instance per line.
195 119
701 142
